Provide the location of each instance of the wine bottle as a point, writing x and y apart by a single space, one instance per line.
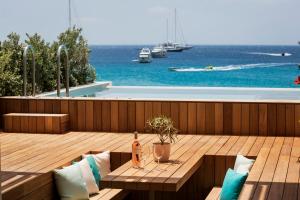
136 152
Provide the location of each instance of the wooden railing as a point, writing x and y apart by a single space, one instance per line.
190 117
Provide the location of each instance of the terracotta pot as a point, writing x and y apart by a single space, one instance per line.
162 149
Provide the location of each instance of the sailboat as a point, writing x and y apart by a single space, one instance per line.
175 47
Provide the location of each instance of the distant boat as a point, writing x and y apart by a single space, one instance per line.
159 52
172 47
186 46
145 56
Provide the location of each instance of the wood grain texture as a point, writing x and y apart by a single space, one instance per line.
275 174
217 118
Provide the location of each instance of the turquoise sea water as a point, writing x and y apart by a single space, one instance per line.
235 66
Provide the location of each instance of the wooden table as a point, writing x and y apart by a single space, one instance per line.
186 157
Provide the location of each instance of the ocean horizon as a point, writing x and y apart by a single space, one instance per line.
233 66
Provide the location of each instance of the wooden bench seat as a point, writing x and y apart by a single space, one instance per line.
36 123
214 194
107 193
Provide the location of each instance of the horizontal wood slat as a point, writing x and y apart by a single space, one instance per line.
36 123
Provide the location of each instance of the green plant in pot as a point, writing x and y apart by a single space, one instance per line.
167 134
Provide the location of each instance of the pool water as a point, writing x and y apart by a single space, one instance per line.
194 93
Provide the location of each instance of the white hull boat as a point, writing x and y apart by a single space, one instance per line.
145 56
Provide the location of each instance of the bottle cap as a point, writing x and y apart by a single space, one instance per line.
135 135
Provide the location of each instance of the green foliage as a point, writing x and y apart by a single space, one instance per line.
11 62
163 127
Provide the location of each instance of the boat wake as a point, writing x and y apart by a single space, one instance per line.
271 54
228 67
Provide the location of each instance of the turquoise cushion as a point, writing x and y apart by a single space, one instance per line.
232 185
94 169
70 184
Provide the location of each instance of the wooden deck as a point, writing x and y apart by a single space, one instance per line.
28 159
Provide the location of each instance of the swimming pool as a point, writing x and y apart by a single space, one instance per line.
88 90
197 93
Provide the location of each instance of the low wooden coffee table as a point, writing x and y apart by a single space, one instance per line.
186 157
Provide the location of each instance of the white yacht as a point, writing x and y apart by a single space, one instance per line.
145 56
159 52
172 47
176 47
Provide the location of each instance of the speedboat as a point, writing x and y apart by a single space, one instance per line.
173 69
210 67
159 52
145 56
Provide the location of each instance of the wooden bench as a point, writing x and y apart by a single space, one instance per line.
275 173
36 123
214 194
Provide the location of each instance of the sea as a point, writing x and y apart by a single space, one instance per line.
233 66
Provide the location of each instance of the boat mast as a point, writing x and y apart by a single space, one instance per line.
175 25
167 30
70 23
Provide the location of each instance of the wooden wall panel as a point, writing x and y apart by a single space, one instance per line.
280 119
210 118
227 118
263 119
64 106
56 106
219 118
140 116
290 119
253 115
201 118
106 116
224 118
175 113
81 116
156 108
89 117
97 116
73 115
123 120
297 120
48 106
148 110
131 120
40 106
32 106
245 121
166 109
236 118
183 115
192 118
114 116
272 119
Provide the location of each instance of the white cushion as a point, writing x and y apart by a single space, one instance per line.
242 169
70 183
102 161
243 164
88 176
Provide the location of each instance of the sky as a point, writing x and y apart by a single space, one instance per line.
236 22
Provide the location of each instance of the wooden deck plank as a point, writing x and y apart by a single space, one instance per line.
263 187
292 178
255 173
277 185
